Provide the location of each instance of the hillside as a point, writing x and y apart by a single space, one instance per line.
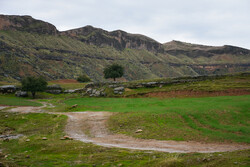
33 47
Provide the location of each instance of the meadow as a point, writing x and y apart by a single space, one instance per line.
215 119
64 153
223 118
15 101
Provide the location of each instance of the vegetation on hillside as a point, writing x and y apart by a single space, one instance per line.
25 52
83 78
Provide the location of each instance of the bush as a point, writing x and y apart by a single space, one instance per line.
34 84
83 78
113 71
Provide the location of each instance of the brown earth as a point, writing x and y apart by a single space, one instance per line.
191 93
91 127
65 81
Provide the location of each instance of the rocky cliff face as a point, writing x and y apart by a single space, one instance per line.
33 47
192 50
117 39
26 23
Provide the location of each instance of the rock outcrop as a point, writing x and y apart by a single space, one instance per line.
117 39
8 89
54 89
21 94
26 23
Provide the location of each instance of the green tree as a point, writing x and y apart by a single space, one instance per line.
113 71
83 78
34 84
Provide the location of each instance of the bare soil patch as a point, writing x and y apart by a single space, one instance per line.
65 81
191 93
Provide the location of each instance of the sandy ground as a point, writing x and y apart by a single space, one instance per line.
91 127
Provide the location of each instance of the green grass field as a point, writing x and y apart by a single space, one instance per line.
15 101
65 153
223 118
204 119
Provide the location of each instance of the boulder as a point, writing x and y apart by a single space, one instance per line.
80 90
89 90
151 84
119 89
74 106
8 89
112 86
69 91
94 91
21 94
138 131
97 93
103 94
54 89
90 85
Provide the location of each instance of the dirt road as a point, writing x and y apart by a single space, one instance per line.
90 127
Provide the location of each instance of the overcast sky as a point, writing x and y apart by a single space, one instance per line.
209 22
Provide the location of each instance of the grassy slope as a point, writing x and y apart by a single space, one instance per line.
139 64
15 101
56 152
69 85
223 118
236 82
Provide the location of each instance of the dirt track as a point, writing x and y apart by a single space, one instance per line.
90 127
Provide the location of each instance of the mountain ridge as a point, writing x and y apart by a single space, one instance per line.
37 46
53 30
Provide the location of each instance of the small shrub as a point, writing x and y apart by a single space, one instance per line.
83 78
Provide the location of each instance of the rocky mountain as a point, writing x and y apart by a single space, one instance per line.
33 47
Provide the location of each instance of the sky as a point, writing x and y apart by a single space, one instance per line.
208 22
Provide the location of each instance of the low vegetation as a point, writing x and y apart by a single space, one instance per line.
15 101
68 84
205 119
83 78
223 118
31 150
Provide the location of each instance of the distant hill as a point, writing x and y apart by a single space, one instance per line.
33 47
